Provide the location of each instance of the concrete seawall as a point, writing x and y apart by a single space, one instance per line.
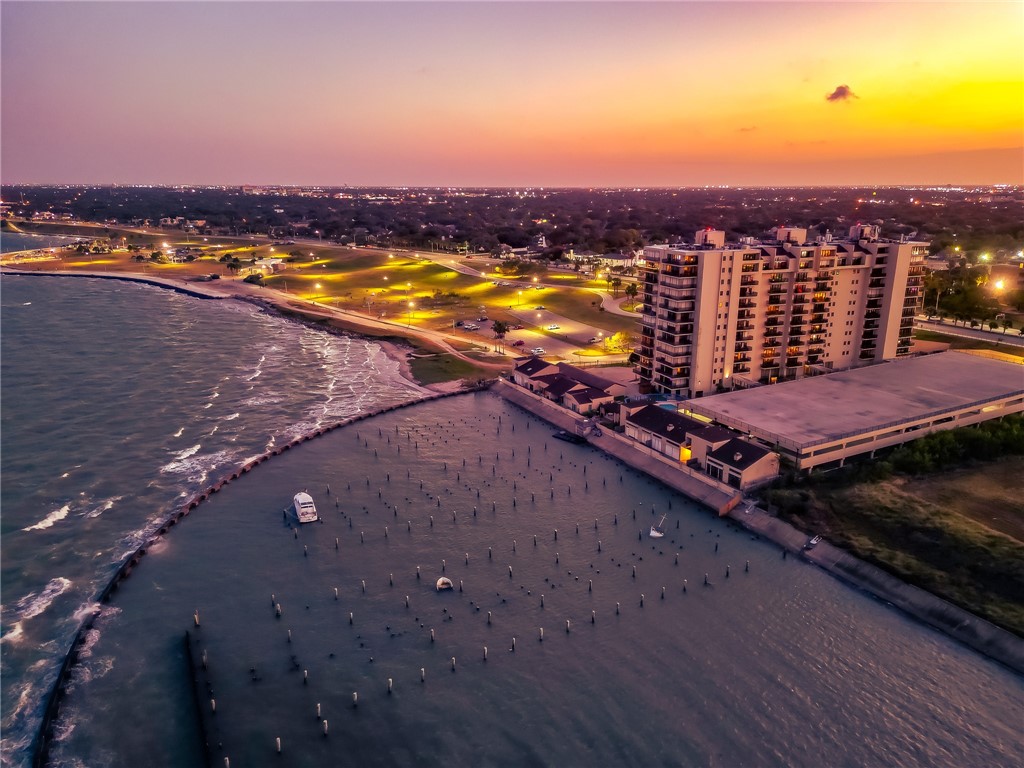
963 626
57 692
717 496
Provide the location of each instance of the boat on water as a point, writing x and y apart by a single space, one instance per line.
305 509
444 583
658 531
569 437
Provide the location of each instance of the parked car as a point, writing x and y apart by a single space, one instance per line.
518 343
482 319
537 350
594 340
539 306
471 326
459 323
553 327
515 327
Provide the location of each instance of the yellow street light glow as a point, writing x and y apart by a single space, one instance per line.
317 286
984 257
999 285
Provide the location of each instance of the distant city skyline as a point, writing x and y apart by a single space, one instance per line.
512 94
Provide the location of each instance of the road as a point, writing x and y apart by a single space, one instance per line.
1011 338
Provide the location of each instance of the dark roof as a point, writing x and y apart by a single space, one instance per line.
664 422
558 385
531 366
587 394
584 377
738 454
713 434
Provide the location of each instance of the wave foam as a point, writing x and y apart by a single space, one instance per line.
47 522
31 605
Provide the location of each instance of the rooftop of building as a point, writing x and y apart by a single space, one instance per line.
664 422
825 408
738 454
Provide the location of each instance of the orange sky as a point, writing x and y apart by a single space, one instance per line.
646 94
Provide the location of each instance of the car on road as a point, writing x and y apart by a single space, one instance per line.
553 327
471 326
515 327
539 306
537 351
594 340
518 343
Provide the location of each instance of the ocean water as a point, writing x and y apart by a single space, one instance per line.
704 648
118 401
20 241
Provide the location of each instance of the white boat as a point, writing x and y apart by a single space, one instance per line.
444 583
658 531
305 509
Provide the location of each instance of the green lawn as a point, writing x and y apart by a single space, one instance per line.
959 342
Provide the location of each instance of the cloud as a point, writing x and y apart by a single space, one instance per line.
841 93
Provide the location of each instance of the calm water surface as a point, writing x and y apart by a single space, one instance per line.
775 665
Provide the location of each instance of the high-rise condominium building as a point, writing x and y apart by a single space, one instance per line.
718 316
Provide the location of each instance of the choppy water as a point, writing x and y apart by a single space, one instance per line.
119 400
779 665
21 241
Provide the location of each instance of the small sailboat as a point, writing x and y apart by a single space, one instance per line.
658 531
443 583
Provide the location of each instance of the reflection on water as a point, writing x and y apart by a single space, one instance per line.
769 663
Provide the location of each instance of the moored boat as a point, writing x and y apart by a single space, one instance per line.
658 531
305 509
443 583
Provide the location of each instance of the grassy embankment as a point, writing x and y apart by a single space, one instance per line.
956 532
965 344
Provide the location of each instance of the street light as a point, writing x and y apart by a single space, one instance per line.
411 306
520 299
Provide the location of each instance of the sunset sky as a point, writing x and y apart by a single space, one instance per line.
512 94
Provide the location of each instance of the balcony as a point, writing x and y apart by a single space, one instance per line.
772 343
741 369
772 333
747 293
741 358
792 362
770 365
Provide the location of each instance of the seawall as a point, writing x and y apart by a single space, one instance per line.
45 735
196 291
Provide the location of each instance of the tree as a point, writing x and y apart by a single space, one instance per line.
1007 324
631 291
616 283
500 328
620 342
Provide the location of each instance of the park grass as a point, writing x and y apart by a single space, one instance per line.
933 531
959 342
442 367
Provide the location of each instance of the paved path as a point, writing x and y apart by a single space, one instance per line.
1011 338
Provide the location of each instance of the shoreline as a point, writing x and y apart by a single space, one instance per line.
280 306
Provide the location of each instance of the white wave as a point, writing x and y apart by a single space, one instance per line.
208 405
99 510
232 417
13 634
180 431
47 522
213 431
66 474
215 394
27 304
188 452
32 605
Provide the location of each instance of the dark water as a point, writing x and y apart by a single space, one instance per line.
19 241
778 665
119 400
